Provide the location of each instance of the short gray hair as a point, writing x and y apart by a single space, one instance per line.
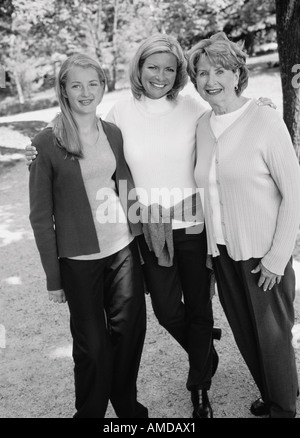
220 51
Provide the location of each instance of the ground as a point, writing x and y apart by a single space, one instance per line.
36 366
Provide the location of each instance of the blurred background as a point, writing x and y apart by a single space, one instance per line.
36 35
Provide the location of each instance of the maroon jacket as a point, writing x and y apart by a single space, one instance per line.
60 212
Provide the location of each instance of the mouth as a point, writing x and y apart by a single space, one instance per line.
213 91
158 86
86 102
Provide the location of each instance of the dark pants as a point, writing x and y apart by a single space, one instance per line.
261 323
181 301
108 323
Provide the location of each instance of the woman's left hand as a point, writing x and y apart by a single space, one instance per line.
267 279
265 101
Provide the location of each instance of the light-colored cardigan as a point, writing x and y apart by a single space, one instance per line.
258 178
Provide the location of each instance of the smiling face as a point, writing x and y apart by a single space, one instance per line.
216 85
158 74
84 90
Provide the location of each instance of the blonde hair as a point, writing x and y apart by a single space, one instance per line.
65 128
158 43
220 51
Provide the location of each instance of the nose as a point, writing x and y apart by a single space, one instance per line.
85 91
211 79
160 75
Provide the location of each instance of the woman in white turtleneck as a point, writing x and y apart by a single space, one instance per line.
158 127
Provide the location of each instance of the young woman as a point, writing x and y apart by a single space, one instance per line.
90 258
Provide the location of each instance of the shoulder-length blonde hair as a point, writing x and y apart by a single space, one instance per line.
220 51
65 128
158 43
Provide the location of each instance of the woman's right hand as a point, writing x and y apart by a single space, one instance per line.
30 153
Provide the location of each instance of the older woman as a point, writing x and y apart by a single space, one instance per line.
251 178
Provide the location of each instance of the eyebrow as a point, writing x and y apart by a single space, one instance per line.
216 68
79 82
153 63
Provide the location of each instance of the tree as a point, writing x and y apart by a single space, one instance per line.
20 49
252 21
288 38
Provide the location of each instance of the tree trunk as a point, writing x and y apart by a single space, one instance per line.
2 77
112 85
19 88
288 38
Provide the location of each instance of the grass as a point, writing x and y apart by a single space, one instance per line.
27 128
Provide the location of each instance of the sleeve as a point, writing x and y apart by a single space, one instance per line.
112 115
42 209
199 106
201 109
284 168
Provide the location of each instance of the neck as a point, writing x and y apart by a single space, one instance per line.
86 123
151 99
229 107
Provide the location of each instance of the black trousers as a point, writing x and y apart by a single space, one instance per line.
108 323
261 323
181 301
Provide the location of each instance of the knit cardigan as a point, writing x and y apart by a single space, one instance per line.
60 212
258 180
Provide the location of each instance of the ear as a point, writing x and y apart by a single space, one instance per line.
237 76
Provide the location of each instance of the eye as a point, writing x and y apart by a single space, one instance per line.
220 72
170 69
202 73
76 86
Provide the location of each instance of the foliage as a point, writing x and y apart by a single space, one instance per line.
37 34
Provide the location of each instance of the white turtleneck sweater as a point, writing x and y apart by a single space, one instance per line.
159 144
